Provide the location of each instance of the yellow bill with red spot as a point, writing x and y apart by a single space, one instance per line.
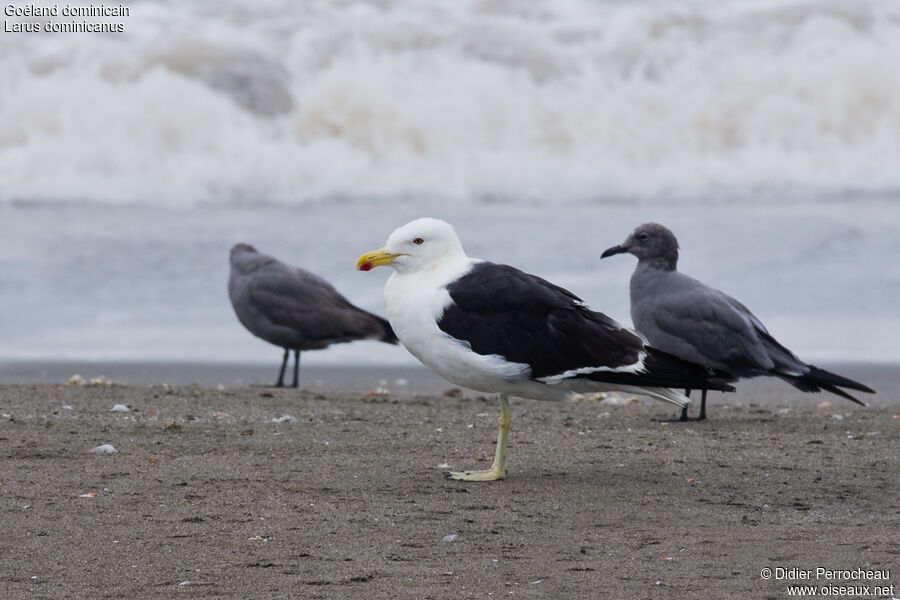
375 258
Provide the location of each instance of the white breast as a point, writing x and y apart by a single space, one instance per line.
414 303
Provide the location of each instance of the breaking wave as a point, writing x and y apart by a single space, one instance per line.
288 102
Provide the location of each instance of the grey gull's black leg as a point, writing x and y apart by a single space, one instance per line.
684 416
702 416
280 382
684 411
296 368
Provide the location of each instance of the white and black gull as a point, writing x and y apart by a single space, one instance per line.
492 328
295 309
701 324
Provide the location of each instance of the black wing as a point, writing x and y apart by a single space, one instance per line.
497 309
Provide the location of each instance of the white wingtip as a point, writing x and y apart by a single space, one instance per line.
667 395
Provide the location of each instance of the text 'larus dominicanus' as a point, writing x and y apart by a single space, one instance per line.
295 309
493 328
698 323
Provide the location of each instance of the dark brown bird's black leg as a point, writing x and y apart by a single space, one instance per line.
296 367
280 382
702 416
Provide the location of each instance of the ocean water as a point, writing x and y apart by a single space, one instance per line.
765 134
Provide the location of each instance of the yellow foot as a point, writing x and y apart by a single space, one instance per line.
498 467
489 475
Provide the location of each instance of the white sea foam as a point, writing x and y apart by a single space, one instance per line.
546 101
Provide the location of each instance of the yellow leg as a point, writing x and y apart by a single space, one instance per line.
498 468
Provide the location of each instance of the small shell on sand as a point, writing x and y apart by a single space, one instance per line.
104 449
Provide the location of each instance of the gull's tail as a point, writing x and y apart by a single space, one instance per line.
663 370
818 379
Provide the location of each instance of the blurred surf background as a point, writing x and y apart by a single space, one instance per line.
765 134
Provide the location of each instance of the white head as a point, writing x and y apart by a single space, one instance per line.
423 244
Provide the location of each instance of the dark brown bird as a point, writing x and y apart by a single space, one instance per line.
295 309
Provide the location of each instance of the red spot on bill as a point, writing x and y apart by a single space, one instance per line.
365 266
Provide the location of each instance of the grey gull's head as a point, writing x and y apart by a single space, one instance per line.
242 255
652 243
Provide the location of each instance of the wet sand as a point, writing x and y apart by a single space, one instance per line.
207 497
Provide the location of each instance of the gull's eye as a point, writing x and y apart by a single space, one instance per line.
418 241
643 237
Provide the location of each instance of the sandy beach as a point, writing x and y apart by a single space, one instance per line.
221 492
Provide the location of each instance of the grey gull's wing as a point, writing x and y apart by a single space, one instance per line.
703 325
303 302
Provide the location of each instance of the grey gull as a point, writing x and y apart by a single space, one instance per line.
691 320
295 309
